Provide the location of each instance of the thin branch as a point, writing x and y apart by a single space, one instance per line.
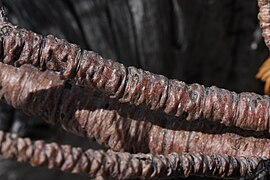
122 165
264 18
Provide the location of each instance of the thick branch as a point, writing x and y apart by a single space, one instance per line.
135 86
122 165
88 112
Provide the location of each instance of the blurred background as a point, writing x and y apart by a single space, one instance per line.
210 42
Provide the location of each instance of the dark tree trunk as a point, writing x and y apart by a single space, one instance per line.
211 42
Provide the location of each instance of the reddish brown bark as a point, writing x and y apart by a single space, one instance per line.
120 126
134 86
123 165
264 18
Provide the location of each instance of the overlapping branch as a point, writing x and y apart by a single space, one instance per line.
135 86
125 125
121 127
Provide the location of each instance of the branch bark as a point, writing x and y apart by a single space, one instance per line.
131 85
264 18
148 83
123 165
120 126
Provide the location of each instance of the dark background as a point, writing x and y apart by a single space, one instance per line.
211 42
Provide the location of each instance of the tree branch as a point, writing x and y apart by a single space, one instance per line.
88 112
134 86
122 165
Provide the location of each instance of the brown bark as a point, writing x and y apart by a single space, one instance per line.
134 86
123 165
264 18
120 126
237 52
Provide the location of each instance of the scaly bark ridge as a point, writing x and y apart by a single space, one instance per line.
122 165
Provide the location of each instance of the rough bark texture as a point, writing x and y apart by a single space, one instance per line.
206 41
131 85
123 165
264 17
119 126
